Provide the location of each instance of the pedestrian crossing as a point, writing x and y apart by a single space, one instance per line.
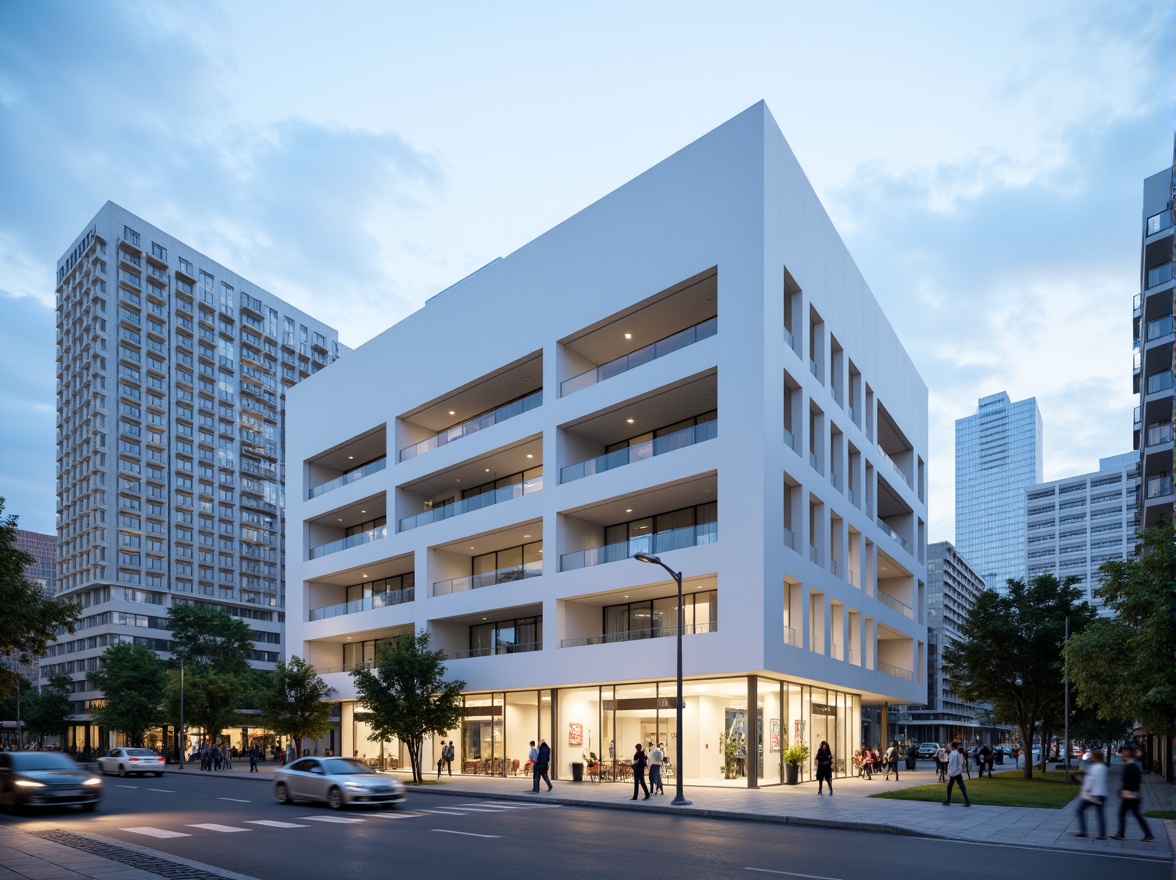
332 819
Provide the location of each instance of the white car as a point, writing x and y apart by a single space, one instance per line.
338 781
126 761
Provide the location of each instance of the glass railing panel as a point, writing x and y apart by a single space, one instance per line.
1159 434
1159 381
519 648
1159 222
377 600
488 578
644 355
501 414
789 539
897 604
640 451
1159 274
896 671
791 637
892 533
658 542
350 477
641 634
1160 327
348 542
476 502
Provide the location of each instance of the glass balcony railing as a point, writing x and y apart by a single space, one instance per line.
1155 276
522 648
1161 381
350 477
637 635
376 600
896 671
791 637
894 465
654 544
651 352
349 542
640 451
1159 486
1158 434
488 578
476 502
465 429
906 545
898 605
789 538
1159 222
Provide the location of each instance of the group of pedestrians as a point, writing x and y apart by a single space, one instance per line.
540 761
867 761
1094 795
651 760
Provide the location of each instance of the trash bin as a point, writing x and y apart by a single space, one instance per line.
577 771
1000 757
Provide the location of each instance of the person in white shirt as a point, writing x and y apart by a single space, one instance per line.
941 763
1094 794
955 773
656 756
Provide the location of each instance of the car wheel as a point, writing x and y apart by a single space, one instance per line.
90 807
122 770
335 798
282 794
159 774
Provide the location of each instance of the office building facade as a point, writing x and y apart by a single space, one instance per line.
172 372
1076 524
691 367
998 454
1153 349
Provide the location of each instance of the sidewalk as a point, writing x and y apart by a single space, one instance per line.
27 856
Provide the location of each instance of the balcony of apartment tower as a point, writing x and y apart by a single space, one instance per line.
342 529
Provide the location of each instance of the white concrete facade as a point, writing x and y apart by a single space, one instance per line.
694 356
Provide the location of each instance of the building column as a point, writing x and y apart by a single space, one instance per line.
752 762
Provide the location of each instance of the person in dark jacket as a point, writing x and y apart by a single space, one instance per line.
640 762
543 764
1129 796
824 768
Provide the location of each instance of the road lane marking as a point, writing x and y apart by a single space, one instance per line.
444 812
339 820
471 808
463 833
125 786
235 800
396 815
165 790
274 823
501 806
155 832
224 829
791 874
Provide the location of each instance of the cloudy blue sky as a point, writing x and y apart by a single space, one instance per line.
983 161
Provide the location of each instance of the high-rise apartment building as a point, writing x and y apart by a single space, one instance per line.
692 367
998 454
43 548
1076 524
1153 348
953 588
171 380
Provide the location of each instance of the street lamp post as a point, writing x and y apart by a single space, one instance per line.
183 739
679 798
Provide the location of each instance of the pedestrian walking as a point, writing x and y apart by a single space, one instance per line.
290 753
955 772
991 761
254 754
1129 796
941 764
656 756
891 759
533 761
448 753
640 761
543 764
982 761
1094 794
824 768
226 758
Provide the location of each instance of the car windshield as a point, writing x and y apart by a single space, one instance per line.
42 761
140 753
345 767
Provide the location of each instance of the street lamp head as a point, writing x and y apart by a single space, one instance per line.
645 557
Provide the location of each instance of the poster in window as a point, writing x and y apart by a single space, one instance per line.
774 735
575 733
798 727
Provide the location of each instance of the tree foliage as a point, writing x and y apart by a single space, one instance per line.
1125 666
212 699
31 618
406 695
1011 653
133 680
50 708
294 703
209 638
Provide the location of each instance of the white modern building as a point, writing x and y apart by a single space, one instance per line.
171 373
1076 524
998 454
1154 307
691 367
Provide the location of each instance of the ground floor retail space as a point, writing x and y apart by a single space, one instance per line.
735 730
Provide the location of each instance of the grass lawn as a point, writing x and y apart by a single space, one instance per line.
1160 814
1048 791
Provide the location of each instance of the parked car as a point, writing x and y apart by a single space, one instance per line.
46 779
928 750
337 781
125 761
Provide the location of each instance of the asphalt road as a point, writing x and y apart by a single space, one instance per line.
235 824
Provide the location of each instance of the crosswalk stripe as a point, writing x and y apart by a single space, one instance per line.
396 815
530 806
274 823
223 829
155 832
339 820
445 812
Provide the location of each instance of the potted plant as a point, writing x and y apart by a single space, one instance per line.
794 755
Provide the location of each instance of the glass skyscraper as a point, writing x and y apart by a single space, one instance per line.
998 454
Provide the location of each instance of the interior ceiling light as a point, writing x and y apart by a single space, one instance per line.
351 458
529 455
452 413
628 510
630 421
628 335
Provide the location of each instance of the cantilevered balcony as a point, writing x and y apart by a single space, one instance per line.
645 354
641 451
359 473
652 544
472 426
377 600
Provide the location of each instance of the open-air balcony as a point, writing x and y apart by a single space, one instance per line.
653 544
645 354
345 464
376 600
473 425
525 486
641 451
489 578
659 632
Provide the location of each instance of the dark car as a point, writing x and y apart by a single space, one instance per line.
46 779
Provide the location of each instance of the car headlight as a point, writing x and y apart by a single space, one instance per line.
355 786
93 780
29 783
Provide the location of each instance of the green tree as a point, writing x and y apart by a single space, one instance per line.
18 703
1125 666
31 618
406 695
212 699
1011 653
207 637
294 704
50 708
133 680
